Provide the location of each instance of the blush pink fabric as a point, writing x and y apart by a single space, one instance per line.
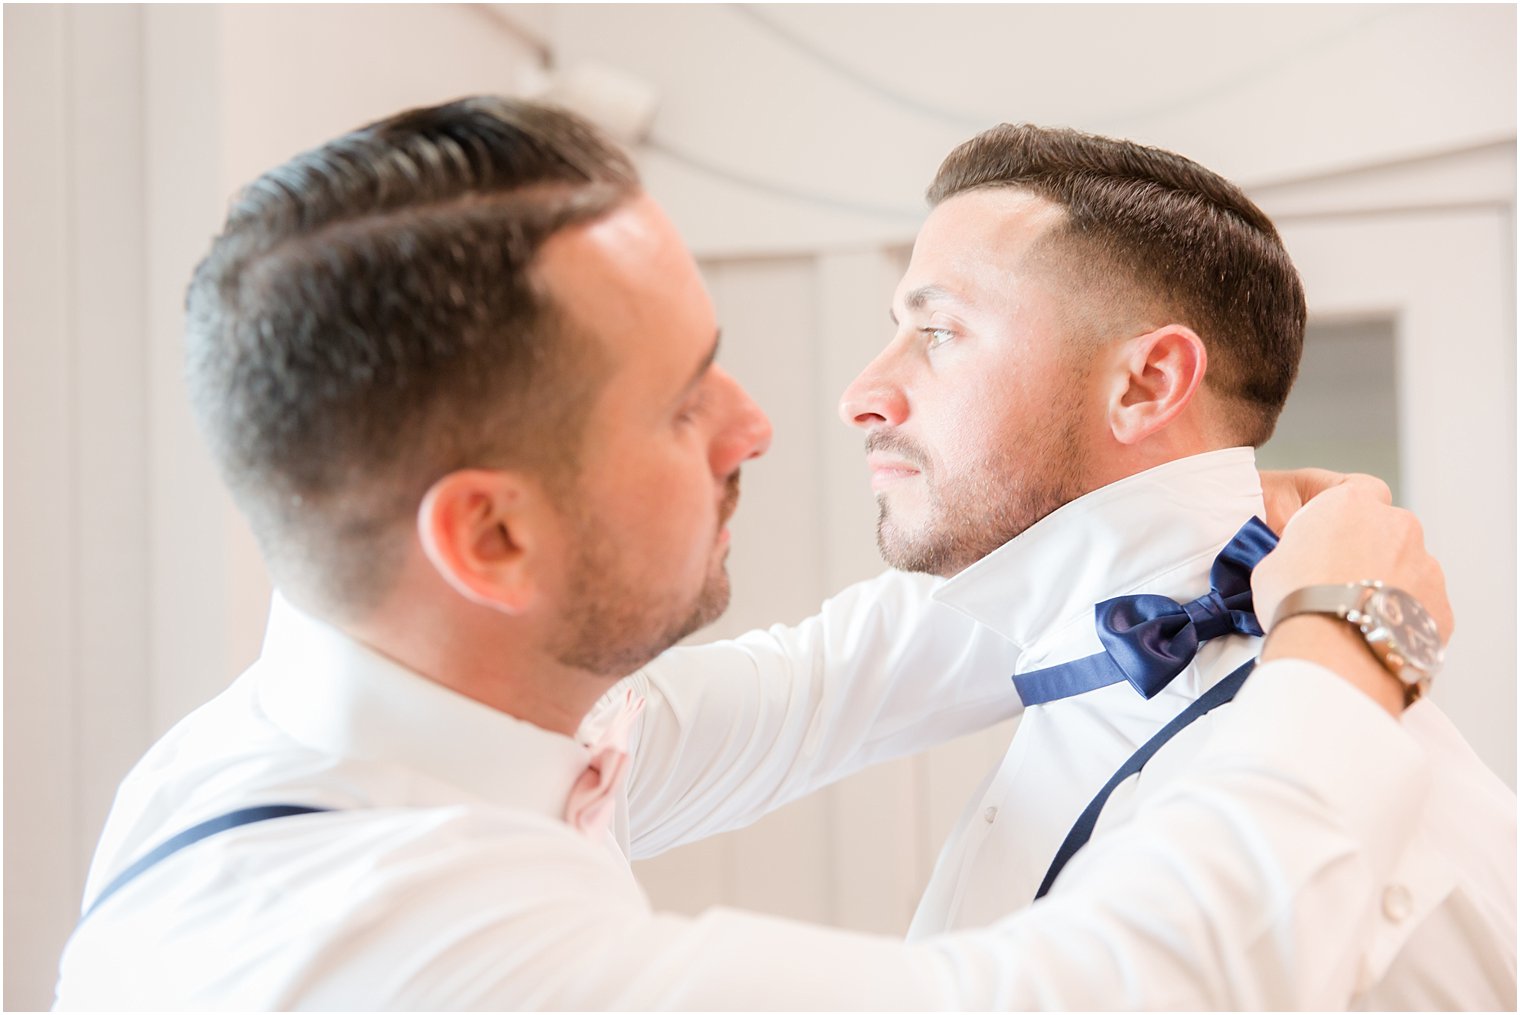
593 798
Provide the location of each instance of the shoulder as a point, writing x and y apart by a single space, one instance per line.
379 907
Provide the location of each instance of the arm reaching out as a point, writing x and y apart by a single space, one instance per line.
735 729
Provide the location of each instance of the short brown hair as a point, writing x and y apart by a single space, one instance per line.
368 321
1183 237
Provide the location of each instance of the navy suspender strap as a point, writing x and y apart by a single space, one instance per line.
1088 819
192 835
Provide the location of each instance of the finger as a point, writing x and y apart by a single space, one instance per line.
1313 482
1358 504
1371 485
1283 493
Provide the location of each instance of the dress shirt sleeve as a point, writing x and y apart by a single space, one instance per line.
1249 884
735 729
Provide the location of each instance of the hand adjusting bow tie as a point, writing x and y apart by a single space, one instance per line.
1148 640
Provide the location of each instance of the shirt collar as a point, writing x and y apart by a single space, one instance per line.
339 696
1109 543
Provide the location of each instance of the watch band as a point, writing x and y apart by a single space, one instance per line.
1366 606
1340 600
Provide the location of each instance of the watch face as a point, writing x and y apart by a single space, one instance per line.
1410 631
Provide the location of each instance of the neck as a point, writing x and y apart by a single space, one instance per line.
1186 437
483 655
1113 541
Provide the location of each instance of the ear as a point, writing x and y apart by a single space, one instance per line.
483 531
1155 377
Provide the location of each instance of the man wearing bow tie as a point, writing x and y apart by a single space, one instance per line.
458 371
1091 338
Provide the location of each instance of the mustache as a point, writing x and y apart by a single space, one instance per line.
895 443
730 502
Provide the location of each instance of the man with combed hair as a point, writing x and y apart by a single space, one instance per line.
458 371
1092 336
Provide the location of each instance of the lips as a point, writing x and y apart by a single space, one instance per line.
890 463
888 470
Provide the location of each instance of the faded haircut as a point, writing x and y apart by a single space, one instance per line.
1158 233
368 321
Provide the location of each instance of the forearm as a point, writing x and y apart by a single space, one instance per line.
735 729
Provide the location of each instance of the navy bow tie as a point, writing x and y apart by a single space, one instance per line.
1148 640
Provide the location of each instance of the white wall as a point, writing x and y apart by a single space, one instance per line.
77 554
1380 136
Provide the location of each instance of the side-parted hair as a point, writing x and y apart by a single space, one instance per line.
368 321
1162 231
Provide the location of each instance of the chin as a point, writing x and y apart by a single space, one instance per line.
928 551
898 549
713 601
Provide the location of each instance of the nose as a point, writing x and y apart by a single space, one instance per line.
747 434
874 398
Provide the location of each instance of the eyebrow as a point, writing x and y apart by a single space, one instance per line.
921 297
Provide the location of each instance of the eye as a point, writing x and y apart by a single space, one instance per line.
938 336
693 408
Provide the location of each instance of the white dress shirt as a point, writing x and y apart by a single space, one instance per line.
1445 937
447 876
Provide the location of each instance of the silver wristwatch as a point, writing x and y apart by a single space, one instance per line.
1398 630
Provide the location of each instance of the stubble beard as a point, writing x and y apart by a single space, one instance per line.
612 626
972 514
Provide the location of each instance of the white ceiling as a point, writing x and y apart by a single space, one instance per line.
822 124
1105 66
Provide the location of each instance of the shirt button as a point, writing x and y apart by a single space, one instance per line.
1397 905
990 815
